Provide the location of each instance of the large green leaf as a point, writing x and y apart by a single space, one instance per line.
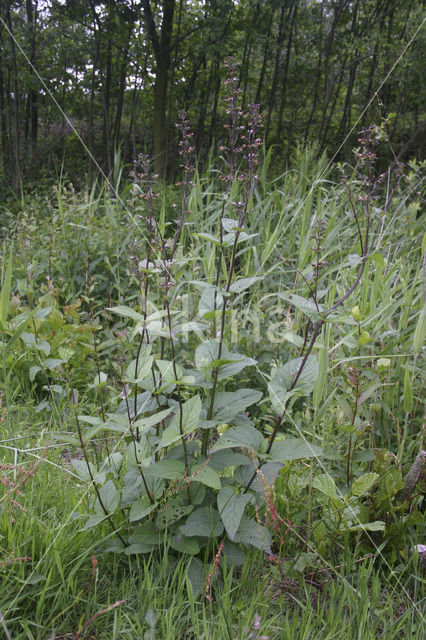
110 497
191 410
282 379
308 307
231 508
228 403
126 312
364 484
247 437
206 475
140 367
293 449
141 508
210 300
254 534
167 469
204 522
229 364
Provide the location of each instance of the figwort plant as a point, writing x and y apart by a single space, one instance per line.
190 464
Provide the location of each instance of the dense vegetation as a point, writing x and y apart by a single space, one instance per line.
212 389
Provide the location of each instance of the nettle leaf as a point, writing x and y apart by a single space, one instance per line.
167 469
293 449
247 437
31 342
230 224
146 534
231 508
307 306
110 497
364 484
140 367
227 404
207 300
260 484
206 475
254 534
204 522
141 508
126 312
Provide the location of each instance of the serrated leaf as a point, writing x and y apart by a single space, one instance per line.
326 485
94 520
82 471
228 403
141 508
254 534
293 449
140 367
206 475
231 508
204 522
378 525
184 545
247 437
167 469
110 497
126 312
308 307
207 301
243 283
364 484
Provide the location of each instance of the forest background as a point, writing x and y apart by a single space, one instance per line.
120 71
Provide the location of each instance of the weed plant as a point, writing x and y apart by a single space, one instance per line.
229 384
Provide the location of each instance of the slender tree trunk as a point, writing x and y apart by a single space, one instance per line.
161 44
16 137
285 74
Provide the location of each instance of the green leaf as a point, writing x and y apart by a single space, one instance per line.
326 485
207 300
110 497
126 312
195 573
254 534
34 371
5 292
378 525
156 418
308 307
191 410
204 522
184 545
247 437
140 367
231 508
282 379
141 508
293 449
167 469
228 403
243 283
206 475
82 471
420 331
94 520
364 484
173 511
229 364
408 391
